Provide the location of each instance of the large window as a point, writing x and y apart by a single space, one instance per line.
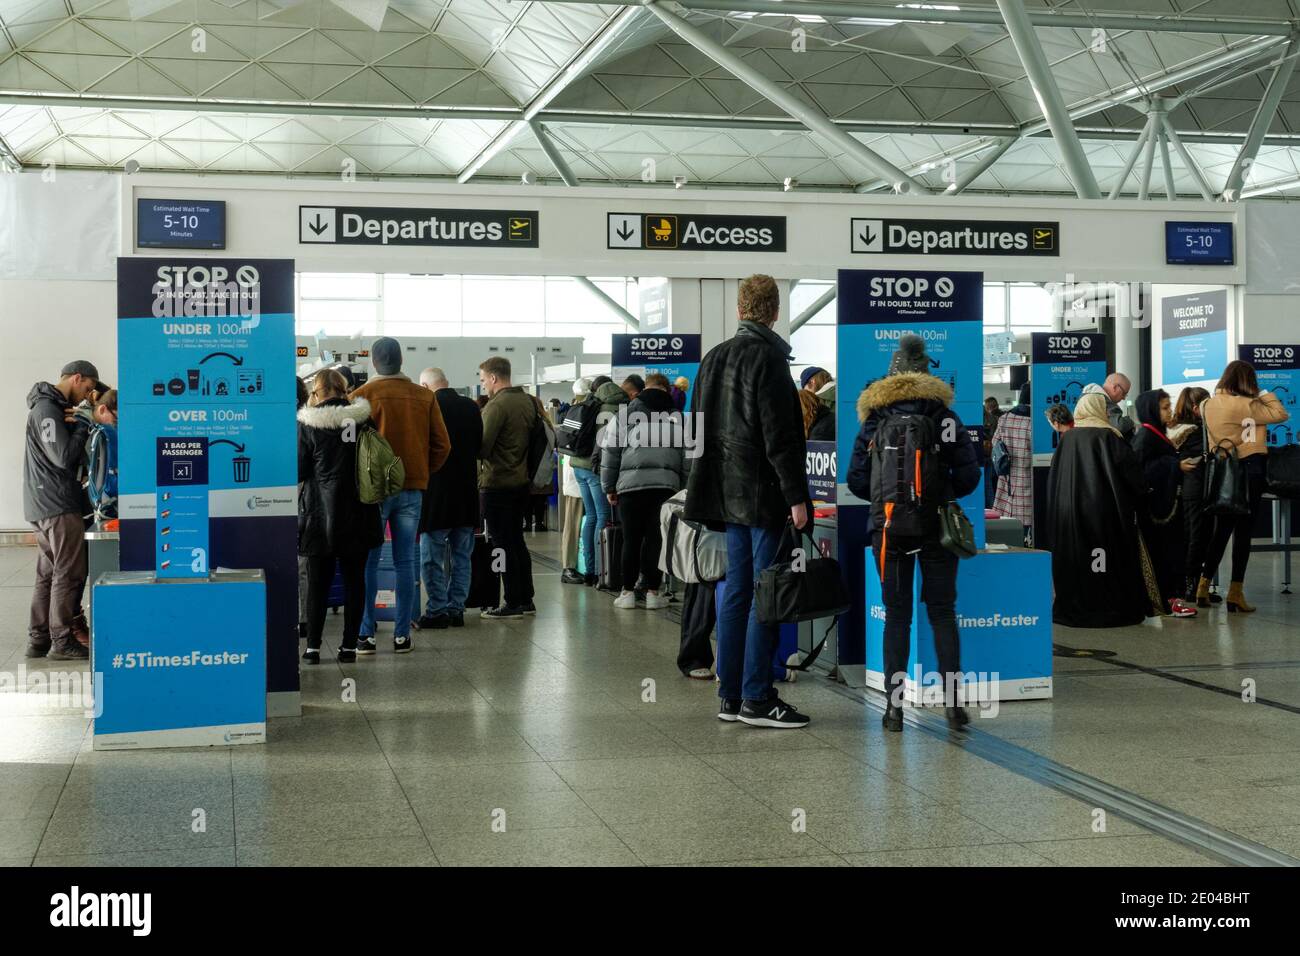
459 305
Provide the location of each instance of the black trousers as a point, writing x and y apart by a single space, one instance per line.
938 591
1199 528
320 575
504 511
642 537
1238 528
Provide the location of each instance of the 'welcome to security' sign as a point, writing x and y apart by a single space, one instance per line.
399 226
931 237
685 232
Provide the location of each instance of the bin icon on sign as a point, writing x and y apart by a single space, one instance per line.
241 463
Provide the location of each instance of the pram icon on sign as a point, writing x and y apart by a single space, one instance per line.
661 232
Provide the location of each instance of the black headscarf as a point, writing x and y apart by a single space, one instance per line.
1148 409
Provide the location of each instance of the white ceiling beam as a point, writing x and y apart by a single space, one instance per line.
599 42
1039 73
947 13
670 14
1263 119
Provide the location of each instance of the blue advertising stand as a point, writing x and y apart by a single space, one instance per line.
876 308
1005 632
1064 363
171 671
671 354
208 438
1278 369
1194 336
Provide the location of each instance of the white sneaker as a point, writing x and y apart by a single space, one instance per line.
654 601
626 600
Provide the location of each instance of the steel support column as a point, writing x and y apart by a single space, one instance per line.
1263 119
980 168
1171 193
552 152
633 322
823 300
578 65
1049 97
1192 165
1132 158
672 15
1148 157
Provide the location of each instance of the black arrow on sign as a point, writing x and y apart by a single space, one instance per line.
226 441
624 231
867 237
318 226
237 361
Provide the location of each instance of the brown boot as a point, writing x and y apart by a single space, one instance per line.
1203 592
1236 600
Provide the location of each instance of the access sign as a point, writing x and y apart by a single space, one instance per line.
687 232
935 237
400 226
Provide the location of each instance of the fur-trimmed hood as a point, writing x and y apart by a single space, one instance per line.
333 416
1180 433
904 387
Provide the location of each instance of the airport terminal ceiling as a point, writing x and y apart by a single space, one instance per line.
487 89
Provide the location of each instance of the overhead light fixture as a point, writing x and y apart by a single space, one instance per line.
131 167
789 183
528 179
679 181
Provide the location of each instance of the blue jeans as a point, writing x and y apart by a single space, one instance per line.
745 647
402 513
447 591
595 515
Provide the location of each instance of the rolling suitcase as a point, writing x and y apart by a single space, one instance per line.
484 583
609 559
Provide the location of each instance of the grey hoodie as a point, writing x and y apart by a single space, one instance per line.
54 457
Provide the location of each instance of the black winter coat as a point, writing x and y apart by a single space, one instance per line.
751 467
56 452
452 498
915 393
823 426
332 520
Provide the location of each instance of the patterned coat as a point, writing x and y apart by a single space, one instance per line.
1015 497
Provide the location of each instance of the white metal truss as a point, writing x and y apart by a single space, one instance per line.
438 87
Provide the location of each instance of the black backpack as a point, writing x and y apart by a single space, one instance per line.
908 478
576 433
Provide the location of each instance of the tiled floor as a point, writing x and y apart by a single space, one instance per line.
571 738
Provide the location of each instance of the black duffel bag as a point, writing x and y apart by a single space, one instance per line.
1283 471
784 594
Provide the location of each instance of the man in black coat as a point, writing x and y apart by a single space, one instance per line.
749 476
450 513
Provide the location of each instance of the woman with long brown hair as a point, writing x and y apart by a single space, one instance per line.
1238 414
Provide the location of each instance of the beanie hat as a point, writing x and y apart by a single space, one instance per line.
386 356
910 356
